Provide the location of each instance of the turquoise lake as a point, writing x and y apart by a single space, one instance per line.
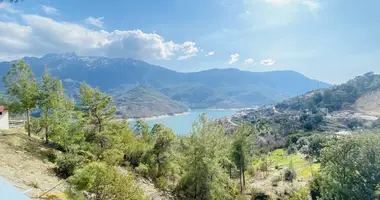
181 124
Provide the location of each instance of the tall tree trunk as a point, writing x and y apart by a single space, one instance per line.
230 171
243 175
241 180
100 123
28 121
46 128
46 135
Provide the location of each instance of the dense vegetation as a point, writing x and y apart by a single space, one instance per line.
337 97
100 156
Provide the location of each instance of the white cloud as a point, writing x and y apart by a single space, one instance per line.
211 53
98 22
7 7
312 4
268 62
233 58
40 35
188 48
249 61
49 10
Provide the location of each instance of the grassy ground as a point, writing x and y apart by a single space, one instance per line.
280 159
271 181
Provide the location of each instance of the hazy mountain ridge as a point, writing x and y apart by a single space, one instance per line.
215 88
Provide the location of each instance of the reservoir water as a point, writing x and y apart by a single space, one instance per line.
182 124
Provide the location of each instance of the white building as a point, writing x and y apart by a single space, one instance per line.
4 119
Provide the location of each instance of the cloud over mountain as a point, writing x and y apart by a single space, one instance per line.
38 35
268 62
233 58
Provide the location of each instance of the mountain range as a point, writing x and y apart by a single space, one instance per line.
165 91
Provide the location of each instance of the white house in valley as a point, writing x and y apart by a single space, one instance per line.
4 119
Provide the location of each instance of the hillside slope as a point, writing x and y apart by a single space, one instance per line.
24 164
369 103
146 102
352 105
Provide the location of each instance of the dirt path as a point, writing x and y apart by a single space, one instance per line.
21 164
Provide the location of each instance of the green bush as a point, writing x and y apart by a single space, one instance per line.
302 194
50 155
162 182
289 175
67 164
104 182
259 195
113 157
143 170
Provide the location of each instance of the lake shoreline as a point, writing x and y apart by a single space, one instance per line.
182 123
159 116
185 113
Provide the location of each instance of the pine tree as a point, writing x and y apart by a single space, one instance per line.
52 104
22 90
205 177
96 106
240 150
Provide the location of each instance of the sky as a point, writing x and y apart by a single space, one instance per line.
328 40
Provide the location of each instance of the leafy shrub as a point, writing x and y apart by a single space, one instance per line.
143 170
302 194
315 186
67 164
162 182
50 155
289 175
104 182
113 157
259 195
354 123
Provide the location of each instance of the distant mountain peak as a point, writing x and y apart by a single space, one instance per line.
66 55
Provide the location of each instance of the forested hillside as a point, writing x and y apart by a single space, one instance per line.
333 109
145 101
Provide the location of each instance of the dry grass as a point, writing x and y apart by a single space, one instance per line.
369 104
24 164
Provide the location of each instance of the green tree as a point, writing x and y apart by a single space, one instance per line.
204 176
142 128
66 128
96 106
164 138
240 150
22 90
52 103
350 167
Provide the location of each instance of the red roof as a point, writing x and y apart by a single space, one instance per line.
2 109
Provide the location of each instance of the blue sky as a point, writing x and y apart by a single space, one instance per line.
329 40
